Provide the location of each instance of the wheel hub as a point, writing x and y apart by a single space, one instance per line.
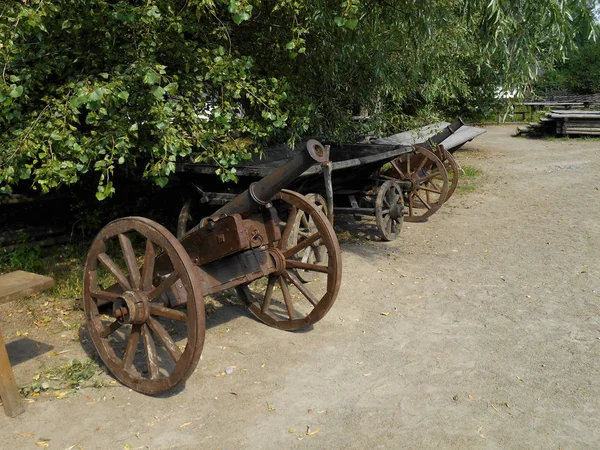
278 259
131 307
396 211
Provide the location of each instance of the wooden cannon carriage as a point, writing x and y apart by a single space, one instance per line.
143 288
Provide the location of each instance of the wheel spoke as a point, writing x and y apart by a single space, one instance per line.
110 265
291 264
304 221
268 294
430 189
421 165
111 329
422 201
289 225
302 245
388 225
386 200
306 255
130 261
287 297
431 175
148 268
397 169
132 346
169 313
301 287
165 339
163 286
151 356
105 295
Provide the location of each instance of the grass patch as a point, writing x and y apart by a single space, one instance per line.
468 179
63 263
470 172
72 376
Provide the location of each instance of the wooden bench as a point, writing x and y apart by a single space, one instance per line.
13 286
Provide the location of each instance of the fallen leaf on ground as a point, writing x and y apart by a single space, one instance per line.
25 434
367 374
385 314
312 433
42 444
187 424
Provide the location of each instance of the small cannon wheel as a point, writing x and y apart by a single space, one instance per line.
389 210
429 183
185 218
147 345
304 226
451 167
282 300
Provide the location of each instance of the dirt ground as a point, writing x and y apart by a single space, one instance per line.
489 337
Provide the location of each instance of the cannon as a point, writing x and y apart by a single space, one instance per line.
144 289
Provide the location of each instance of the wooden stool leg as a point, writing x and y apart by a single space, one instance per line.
8 386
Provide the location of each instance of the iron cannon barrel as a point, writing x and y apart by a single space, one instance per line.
261 192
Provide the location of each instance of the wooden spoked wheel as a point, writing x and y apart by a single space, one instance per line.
282 300
451 167
304 226
428 182
133 266
389 210
185 219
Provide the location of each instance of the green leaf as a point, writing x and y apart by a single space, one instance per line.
171 88
162 181
124 95
151 77
158 92
351 24
16 91
339 21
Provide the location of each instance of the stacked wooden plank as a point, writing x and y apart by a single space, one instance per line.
564 122
575 122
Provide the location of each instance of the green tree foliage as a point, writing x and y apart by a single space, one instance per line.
580 74
93 86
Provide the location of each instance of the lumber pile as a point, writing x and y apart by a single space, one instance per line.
564 123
